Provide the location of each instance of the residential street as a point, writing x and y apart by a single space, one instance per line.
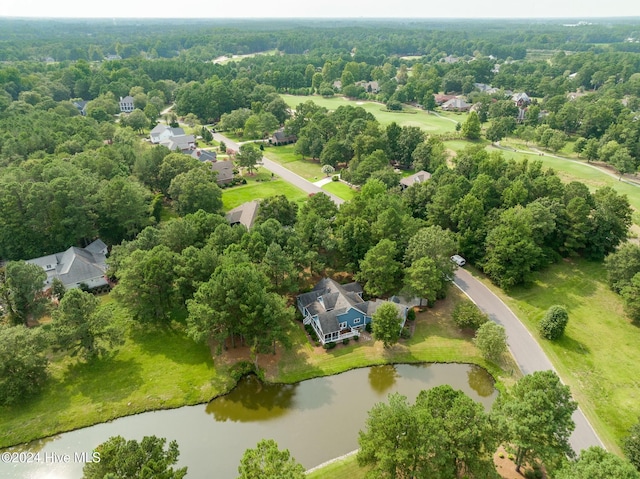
528 354
282 172
525 349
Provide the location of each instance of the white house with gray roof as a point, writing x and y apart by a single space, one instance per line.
163 132
337 311
126 104
76 266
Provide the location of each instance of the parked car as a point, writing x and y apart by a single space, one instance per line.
459 260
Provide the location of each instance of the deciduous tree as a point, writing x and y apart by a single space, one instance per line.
379 271
596 463
266 461
536 413
385 323
491 340
128 459
554 322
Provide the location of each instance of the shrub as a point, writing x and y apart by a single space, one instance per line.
335 178
329 345
345 341
405 333
356 338
367 328
467 315
411 314
554 322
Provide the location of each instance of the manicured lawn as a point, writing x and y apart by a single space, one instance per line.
412 116
237 195
598 357
155 369
346 468
340 189
284 155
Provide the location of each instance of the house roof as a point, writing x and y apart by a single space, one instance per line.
179 142
224 169
126 99
520 96
159 128
245 214
419 177
204 155
75 265
455 103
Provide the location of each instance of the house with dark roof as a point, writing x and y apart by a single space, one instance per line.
204 155
76 266
369 86
418 177
279 137
245 214
126 104
225 171
337 311
81 105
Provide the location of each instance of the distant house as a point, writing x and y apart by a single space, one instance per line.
419 177
521 99
245 214
225 171
126 104
163 132
440 99
180 143
204 155
81 105
76 266
369 86
112 57
456 104
337 85
337 312
279 137
450 59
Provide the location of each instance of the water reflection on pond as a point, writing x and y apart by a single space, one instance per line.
316 420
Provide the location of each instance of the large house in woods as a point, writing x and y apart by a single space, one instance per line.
279 137
337 311
76 267
418 177
163 132
245 214
126 104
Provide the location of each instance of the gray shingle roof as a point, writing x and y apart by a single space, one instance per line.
418 177
224 169
245 214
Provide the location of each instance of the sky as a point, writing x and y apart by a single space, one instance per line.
320 9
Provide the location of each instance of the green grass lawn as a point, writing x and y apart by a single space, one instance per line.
415 117
340 190
598 357
346 468
285 156
154 369
237 195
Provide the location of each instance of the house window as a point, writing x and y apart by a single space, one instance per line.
343 325
356 321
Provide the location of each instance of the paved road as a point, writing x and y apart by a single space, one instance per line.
282 172
525 349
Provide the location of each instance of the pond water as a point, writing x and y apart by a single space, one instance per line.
316 420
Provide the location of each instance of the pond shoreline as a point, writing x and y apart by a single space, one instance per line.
246 372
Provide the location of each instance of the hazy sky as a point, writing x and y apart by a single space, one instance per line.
319 8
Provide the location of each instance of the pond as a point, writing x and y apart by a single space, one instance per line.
316 420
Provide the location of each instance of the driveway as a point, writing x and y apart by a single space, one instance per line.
282 172
525 349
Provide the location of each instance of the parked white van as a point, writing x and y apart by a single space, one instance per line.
459 260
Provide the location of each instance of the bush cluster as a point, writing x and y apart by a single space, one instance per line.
467 315
554 322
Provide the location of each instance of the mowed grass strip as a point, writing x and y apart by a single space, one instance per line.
304 167
598 357
410 117
346 468
340 189
237 195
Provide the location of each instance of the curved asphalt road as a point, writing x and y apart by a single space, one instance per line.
525 349
281 171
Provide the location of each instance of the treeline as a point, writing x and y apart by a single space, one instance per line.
203 40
